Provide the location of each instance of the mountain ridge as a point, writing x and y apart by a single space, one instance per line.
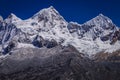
91 37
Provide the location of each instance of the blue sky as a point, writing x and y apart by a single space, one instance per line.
72 10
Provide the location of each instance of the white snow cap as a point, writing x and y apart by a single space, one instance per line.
99 20
48 13
12 18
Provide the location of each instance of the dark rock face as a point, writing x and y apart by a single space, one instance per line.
40 42
50 44
7 31
10 46
57 63
116 36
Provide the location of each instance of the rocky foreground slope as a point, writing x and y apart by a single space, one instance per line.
47 47
57 63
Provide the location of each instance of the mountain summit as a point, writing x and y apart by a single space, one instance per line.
48 13
12 18
101 21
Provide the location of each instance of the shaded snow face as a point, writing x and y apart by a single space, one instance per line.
48 28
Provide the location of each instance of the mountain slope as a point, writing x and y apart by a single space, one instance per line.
98 34
47 27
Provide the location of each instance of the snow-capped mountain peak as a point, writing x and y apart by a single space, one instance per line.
47 24
101 26
97 34
101 21
12 18
48 14
97 27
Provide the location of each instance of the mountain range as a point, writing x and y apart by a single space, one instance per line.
47 35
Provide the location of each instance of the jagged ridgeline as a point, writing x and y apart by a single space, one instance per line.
47 47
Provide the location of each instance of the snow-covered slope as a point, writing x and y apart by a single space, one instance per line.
48 28
97 27
45 28
96 35
47 23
